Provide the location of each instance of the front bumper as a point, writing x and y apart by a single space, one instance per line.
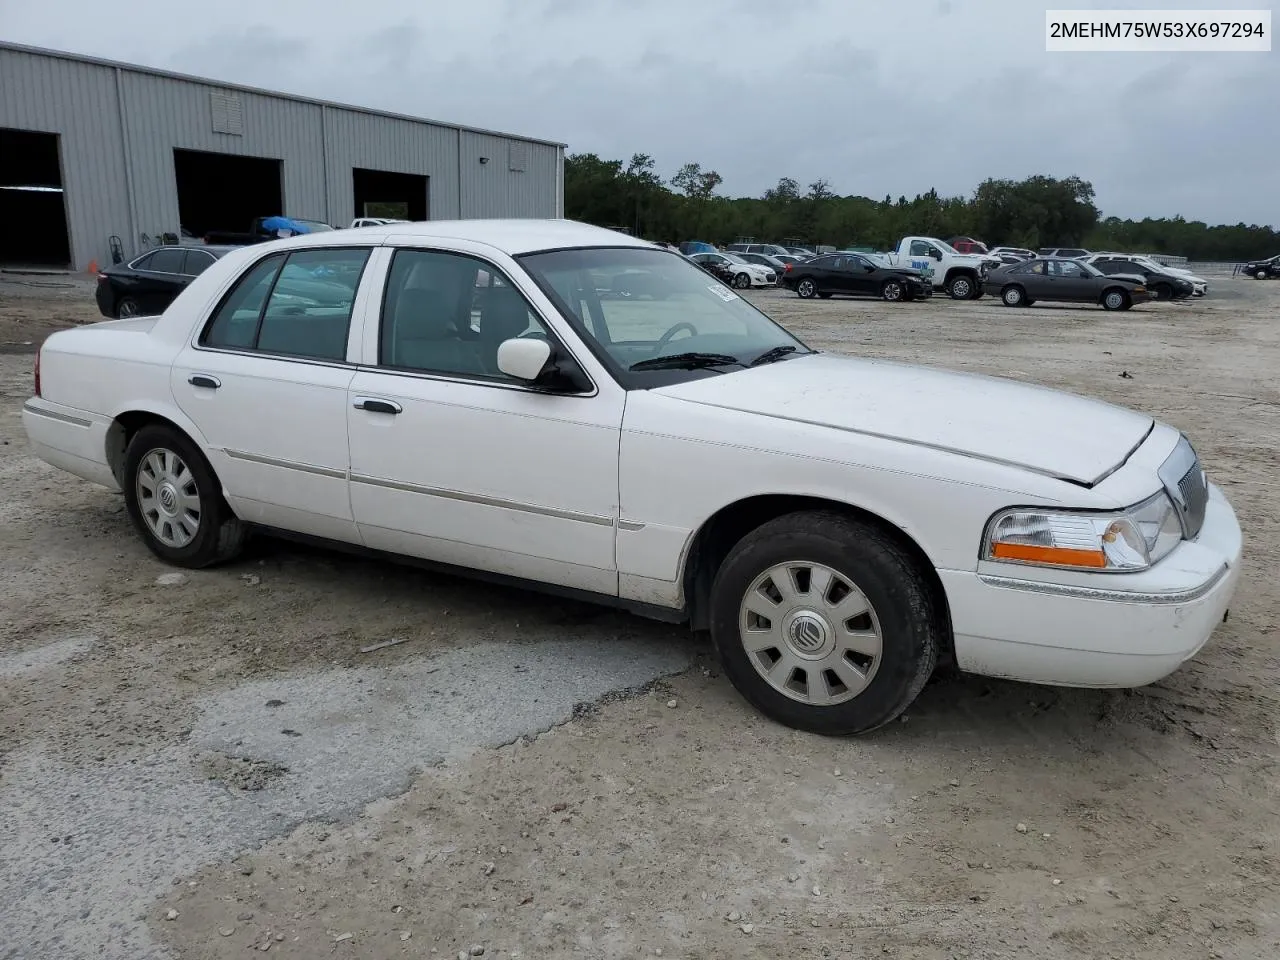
1125 630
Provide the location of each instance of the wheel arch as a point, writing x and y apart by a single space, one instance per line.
713 540
954 272
133 417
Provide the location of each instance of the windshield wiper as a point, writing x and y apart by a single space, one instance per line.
772 354
689 361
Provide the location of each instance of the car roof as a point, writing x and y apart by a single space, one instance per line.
512 236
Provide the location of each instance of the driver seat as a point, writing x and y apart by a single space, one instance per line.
505 315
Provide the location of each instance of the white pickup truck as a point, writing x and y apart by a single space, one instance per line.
960 274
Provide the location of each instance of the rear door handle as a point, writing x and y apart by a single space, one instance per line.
374 405
204 380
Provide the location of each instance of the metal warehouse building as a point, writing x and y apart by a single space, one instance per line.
96 156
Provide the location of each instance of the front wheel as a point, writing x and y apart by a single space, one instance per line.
1162 291
807 288
741 281
1115 300
892 291
175 501
825 623
960 287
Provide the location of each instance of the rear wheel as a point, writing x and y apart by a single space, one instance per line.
175 501
1014 296
807 288
1261 274
127 307
892 290
825 623
1116 299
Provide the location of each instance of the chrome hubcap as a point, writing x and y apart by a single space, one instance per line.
892 291
806 288
1114 300
810 633
961 288
168 498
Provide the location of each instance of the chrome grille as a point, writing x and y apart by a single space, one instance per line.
1183 477
1195 498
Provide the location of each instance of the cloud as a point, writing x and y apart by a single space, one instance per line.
877 98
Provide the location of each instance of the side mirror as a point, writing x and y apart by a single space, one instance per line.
523 358
535 362
935 254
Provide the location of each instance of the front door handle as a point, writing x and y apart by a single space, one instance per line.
204 380
374 405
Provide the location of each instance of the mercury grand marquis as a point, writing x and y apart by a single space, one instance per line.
478 396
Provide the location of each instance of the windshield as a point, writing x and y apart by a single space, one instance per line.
1089 268
633 306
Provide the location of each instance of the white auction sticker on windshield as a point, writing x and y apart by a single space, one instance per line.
723 292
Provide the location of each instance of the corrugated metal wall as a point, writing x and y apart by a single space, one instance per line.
358 139
78 102
119 127
518 178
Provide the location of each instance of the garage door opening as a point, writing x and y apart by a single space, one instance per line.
223 193
379 193
33 215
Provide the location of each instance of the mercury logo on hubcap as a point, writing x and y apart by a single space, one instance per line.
808 634
168 499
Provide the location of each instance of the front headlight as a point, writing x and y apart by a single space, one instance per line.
1123 541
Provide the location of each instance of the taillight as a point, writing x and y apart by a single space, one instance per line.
37 371
102 278
786 268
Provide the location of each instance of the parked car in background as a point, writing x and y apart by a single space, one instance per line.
968 245
1160 284
771 249
1007 258
1022 253
764 260
717 268
1068 253
744 274
851 274
263 229
1143 263
1064 281
960 274
838 524
785 258
802 253
148 284
1268 269
374 222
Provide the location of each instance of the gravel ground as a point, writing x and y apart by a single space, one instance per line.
199 764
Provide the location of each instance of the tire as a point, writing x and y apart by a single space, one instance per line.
807 288
1115 299
163 453
902 623
1014 296
892 290
1261 275
1162 291
741 281
127 307
960 287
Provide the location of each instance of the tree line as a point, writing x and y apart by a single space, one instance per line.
1036 212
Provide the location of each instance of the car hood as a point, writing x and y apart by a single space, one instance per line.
1004 421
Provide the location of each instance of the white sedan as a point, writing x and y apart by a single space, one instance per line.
838 524
745 273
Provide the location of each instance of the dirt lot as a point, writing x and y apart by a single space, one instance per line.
198 765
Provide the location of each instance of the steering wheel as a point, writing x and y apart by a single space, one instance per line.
670 335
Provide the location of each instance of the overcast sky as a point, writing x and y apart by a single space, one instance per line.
876 97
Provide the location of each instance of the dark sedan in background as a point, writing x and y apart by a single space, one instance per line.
1064 281
853 274
776 264
1263 269
147 284
1161 285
